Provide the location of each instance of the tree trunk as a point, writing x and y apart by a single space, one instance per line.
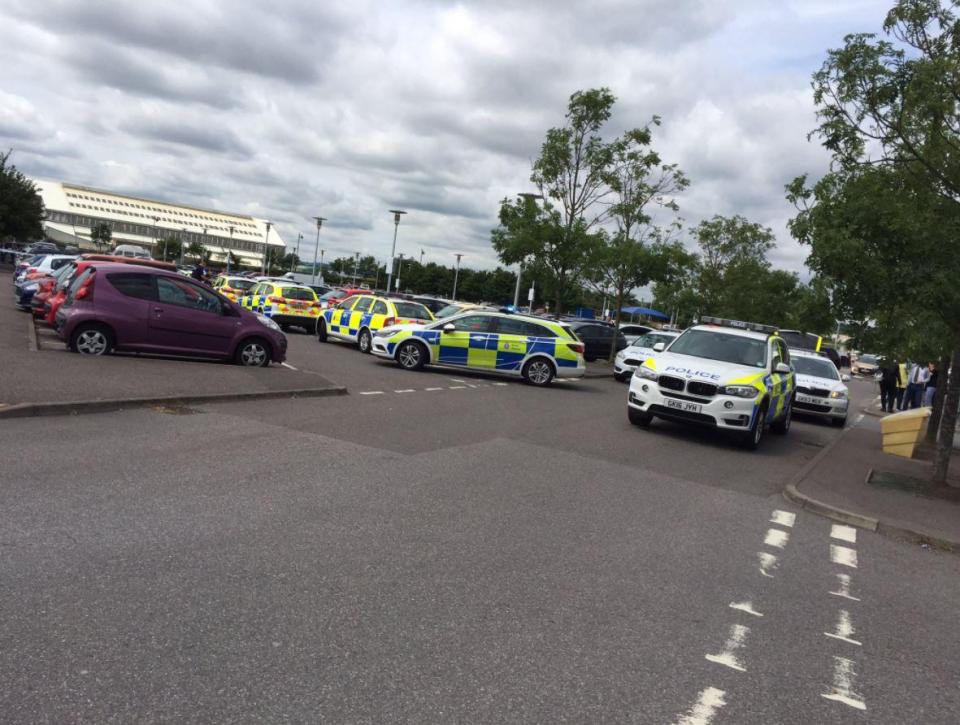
613 347
933 425
948 421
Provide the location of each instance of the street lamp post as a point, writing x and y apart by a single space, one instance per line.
356 263
156 235
229 252
183 232
313 277
266 239
456 277
393 250
399 269
296 253
421 257
516 292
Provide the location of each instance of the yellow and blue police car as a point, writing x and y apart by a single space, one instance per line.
287 303
356 319
735 376
533 348
233 287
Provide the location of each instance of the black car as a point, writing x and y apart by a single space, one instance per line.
42 248
434 304
598 337
320 289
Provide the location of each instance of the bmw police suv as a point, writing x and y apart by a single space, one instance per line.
731 375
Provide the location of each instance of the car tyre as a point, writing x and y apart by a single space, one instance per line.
254 352
321 330
285 327
782 426
538 371
91 338
364 341
751 439
411 355
639 417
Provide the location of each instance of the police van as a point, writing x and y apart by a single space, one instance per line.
731 375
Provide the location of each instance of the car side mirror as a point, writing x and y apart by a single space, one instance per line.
845 378
659 347
782 368
449 327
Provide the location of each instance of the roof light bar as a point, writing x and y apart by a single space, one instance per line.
738 324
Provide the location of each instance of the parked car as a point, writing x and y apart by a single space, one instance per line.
434 304
113 306
131 250
46 265
320 289
336 296
632 330
48 286
24 262
598 338
864 365
42 248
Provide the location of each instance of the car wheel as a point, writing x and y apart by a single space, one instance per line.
364 341
839 422
538 371
91 339
321 330
285 327
253 353
639 417
782 426
411 355
751 440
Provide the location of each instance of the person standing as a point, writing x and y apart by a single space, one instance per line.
918 378
931 390
888 385
902 378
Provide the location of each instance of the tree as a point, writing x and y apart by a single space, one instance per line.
21 208
101 235
167 248
729 246
195 250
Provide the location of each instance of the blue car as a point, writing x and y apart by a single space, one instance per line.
23 292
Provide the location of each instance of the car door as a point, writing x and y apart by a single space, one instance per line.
132 317
338 318
512 338
187 318
470 334
591 341
781 384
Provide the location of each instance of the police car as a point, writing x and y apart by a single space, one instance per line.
638 351
820 387
731 375
533 348
358 317
288 304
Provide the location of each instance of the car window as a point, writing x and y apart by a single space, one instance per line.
240 284
784 351
363 304
380 307
514 326
474 323
777 352
347 303
139 286
298 293
58 263
413 310
185 294
449 310
815 367
77 281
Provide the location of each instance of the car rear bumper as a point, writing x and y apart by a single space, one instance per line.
286 319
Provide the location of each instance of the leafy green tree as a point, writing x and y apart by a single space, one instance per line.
729 247
195 250
167 248
21 208
101 235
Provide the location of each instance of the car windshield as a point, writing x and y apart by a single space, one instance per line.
298 293
449 310
868 359
243 284
652 338
816 367
333 295
736 349
412 310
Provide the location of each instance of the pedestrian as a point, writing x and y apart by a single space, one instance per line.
902 378
888 385
198 273
931 390
913 398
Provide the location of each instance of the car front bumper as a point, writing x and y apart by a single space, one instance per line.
824 407
721 411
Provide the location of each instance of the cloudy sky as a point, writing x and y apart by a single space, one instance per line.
290 109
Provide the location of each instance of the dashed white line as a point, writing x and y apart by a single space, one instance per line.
455 380
858 419
406 390
783 518
709 701
745 607
843 676
776 538
430 390
768 562
371 392
500 384
844 588
727 657
844 629
844 533
843 555
471 386
288 366
456 387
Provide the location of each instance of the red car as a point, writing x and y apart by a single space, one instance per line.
336 296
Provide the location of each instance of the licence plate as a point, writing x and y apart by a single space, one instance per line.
808 399
298 305
685 405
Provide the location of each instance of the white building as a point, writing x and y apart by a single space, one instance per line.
71 212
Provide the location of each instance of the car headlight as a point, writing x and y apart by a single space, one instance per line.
620 355
267 322
646 373
838 393
739 391
385 332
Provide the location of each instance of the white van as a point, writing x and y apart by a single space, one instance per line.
131 250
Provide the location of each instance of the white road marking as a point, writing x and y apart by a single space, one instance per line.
709 701
767 562
843 555
407 390
844 588
288 366
738 633
372 392
783 518
471 386
499 384
745 607
776 538
456 387
858 419
456 380
430 390
844 533
842 691
844 629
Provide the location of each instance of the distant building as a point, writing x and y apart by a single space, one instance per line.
71 211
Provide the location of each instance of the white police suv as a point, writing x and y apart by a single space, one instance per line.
820 387
731 375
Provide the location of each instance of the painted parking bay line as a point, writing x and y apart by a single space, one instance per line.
706 706
405 390
776 538
430 390
728 657
783 518
842 691
843 555
844 533
372 392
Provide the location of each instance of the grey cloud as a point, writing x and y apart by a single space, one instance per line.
213 137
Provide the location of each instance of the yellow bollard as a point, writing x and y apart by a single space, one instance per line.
901 431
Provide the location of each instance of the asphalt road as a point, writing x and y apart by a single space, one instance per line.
447 548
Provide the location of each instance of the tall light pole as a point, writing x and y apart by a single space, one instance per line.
266 239
393 250
456 277
183 232
356 263
229 251
313 277
421 257
527 196
399 269
156 235
296 253
203 243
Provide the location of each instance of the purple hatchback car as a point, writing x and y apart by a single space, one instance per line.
119 307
